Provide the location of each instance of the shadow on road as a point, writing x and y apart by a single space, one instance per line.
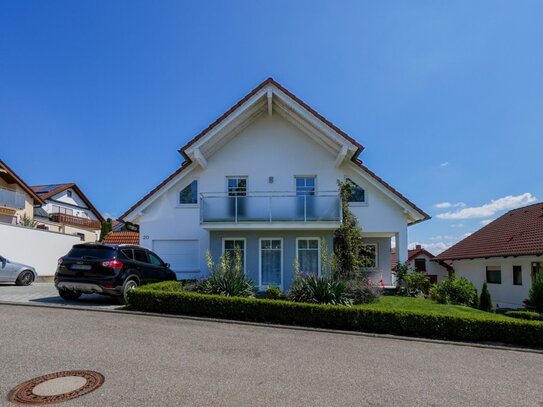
84 301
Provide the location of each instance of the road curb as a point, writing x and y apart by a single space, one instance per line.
502 347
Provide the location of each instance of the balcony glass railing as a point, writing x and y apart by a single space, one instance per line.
270 208
11 199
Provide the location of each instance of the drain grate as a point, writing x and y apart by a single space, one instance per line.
56 387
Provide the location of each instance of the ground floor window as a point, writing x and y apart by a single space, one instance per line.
517 275
307 250
271 262
229 246
369 252
493 275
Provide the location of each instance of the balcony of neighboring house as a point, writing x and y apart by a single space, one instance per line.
76 221
11 199
270 210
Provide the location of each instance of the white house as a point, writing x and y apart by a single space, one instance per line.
264 177
422 260
507 253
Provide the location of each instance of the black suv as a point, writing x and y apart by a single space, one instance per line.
108 269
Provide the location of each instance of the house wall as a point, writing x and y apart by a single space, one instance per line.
432 268
37 248
505 294
29 202
269 147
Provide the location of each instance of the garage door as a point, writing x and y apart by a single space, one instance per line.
182 255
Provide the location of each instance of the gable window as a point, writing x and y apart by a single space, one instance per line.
189 194
493 275
305 186
69 193
237 186
307 251
517 275
420 265
369 253
229 246
358 194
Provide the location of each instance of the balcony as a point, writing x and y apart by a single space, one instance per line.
75 221
270 209
11 199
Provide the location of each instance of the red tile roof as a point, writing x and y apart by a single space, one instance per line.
354 158
122 238
412 253
517 233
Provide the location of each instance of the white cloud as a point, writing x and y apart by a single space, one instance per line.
489 209
444 164
445 205
485 222
457 225
443 237
434 248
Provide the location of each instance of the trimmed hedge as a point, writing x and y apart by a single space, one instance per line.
400 322
528 315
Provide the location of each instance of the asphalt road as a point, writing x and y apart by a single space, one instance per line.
155 361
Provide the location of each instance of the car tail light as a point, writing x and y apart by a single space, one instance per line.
60 261
112 264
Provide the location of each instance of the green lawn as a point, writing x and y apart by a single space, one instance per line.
387 302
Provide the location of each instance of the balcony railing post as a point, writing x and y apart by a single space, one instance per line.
305 208
270 208
236 209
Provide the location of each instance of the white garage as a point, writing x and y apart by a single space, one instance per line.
183 255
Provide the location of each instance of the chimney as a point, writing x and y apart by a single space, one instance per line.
418 247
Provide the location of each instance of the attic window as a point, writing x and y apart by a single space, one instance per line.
358 194
189 194
69 193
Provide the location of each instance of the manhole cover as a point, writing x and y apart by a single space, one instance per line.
56 387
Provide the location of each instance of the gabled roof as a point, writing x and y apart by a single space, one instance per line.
11 178
47 191
122 238
416 252
267 90
517 233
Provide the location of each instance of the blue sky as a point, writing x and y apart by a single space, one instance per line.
447 97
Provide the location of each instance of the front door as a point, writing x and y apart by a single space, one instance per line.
271 262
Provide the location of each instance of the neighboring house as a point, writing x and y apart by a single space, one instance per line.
122 238
66 209
17 199
507 253
421 259
264 177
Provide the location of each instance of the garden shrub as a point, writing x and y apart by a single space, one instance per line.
536 292
226 278
318 290
485 301
455 290
411 323
360 291
415 284
528 315
273 293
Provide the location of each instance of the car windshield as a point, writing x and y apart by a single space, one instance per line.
87 252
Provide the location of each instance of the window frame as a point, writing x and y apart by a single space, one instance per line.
358 203
189 205
318 239
376 267
237 177
151 254
146 255
313 176
69 193
499 270
244 239
517 269
260 260
415 264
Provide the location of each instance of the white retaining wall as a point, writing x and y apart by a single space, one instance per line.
38 248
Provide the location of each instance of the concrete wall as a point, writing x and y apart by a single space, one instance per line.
505 294
38 248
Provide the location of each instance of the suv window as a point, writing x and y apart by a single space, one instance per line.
140 255
154 259
92 252
128 253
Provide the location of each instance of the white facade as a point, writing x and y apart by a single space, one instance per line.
269 141
506 294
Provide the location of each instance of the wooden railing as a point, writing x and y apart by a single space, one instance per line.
75 221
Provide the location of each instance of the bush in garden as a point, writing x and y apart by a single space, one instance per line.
415 284
455 290
401 270
360 291
536 292
485 301
273 293
226 278
318 290
529 315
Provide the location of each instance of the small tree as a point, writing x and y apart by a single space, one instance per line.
401 270
27 221
536 292
107 227
485 301
348 245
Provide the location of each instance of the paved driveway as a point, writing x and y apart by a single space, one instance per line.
155 361
45 293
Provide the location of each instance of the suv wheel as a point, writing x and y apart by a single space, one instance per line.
128 285
69 295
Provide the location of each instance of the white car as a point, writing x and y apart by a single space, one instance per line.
17 273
